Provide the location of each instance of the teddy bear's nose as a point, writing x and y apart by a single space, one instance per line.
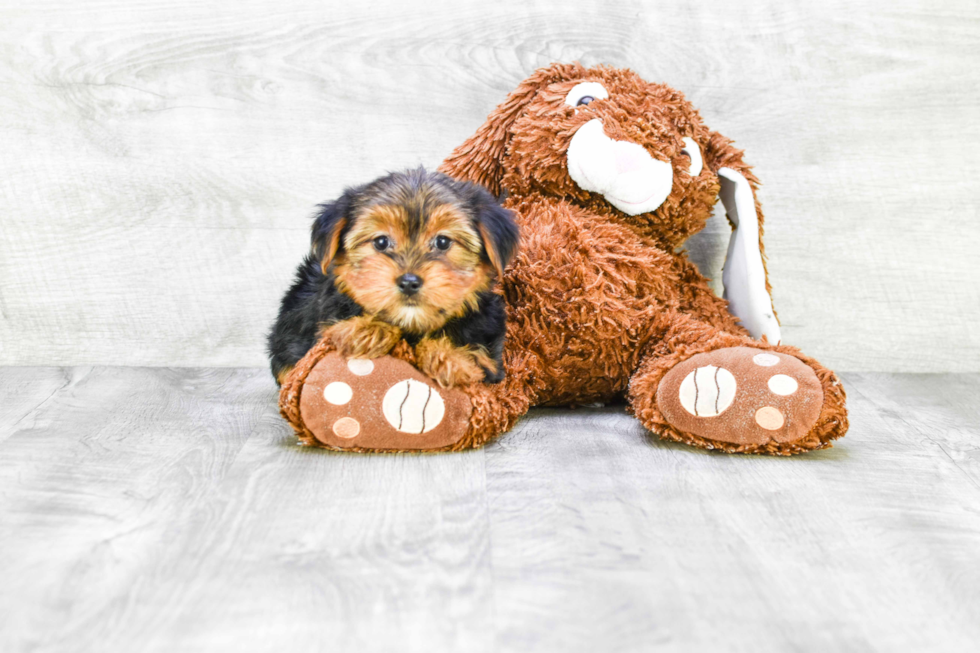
409 283
629 159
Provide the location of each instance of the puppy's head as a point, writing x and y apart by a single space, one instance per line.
415 248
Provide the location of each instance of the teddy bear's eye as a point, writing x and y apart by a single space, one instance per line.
381 243
442 243
693 152
585 93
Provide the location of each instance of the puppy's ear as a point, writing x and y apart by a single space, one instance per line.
497 228
328 227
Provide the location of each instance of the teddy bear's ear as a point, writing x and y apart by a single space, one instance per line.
479 158
745 277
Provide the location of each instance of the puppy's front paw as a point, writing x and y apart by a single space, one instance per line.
449 365
363 337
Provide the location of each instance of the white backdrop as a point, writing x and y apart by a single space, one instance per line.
159 161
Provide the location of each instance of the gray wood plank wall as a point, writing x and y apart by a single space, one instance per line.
159 162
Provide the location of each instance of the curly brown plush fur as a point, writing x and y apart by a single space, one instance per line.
602 304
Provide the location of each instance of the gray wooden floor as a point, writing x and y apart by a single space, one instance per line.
148 509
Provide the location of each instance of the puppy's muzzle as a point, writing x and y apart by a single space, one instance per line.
409 283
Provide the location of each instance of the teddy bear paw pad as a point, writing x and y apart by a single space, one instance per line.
742 395
383 404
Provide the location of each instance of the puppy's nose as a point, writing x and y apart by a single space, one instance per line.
409 283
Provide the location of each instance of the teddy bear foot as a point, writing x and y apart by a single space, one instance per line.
383 404
742 396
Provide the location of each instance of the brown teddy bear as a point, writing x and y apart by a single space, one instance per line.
608 175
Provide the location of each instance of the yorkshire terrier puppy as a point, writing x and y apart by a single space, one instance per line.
414 256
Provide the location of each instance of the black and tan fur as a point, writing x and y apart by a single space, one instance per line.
415 256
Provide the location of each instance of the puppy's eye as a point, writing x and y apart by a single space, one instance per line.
381 243
585 93
442 242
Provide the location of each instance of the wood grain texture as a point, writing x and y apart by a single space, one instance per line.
304 550
160 161
666 548
94 488
171 510
22 391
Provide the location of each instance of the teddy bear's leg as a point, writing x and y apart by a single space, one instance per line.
716 390
386 404
497 407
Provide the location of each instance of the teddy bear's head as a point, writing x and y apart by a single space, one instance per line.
606 140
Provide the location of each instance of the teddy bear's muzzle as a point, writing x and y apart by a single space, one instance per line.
624 173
